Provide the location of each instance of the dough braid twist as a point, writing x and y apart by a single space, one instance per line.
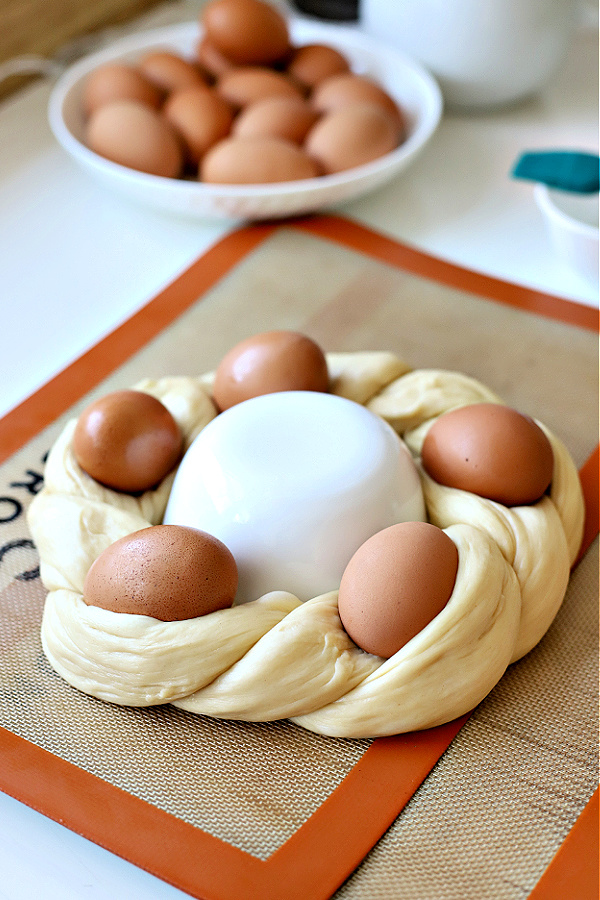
277 657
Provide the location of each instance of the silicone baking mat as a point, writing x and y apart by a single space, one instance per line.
229 810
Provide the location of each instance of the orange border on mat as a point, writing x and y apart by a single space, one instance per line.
573 873
351 234
390 771
311 864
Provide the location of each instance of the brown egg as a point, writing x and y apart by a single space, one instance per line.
285 117
342 90
351 136
135 136
127 440
251 83
249 32
490 450
312 63
395 584
268 363
200 117
170 72
117 81
255 161
211 59
169 572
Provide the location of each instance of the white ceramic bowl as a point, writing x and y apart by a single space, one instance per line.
572 222
411 86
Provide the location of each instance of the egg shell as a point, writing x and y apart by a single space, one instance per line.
118 81
200 117
255 161
286 117
212 60
312 63
268 363
135 136
170 72
248 84
169 572
246 31
490 450
348 88
351 136
396 583
127 440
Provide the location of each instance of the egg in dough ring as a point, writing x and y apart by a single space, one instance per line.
276 657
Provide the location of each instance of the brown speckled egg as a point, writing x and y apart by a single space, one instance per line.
249 32
268 363
265 160
348 88
169 572
200 117
251 83
395 584
312 63
490 450
127 440
351 136
285 117
118 81
170 72
135 136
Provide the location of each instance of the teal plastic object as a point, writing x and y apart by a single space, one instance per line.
567 170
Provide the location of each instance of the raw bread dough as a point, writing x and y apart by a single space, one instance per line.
276 657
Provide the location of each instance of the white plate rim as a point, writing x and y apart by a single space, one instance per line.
347 38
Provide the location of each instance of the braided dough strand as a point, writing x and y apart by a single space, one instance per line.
305 661
450 666
140 661
64 477
70 532
274 657
277 657
531 539
567 494
540 541
423 394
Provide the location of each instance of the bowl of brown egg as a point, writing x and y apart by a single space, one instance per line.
246 114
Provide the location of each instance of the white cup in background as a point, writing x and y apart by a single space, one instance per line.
484 53
572 223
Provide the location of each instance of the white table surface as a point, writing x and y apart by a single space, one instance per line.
76 261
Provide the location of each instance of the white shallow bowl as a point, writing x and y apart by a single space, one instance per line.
415 91
572 222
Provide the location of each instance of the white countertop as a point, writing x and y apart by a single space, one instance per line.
77 260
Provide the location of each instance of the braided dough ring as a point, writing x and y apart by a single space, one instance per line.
276 657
